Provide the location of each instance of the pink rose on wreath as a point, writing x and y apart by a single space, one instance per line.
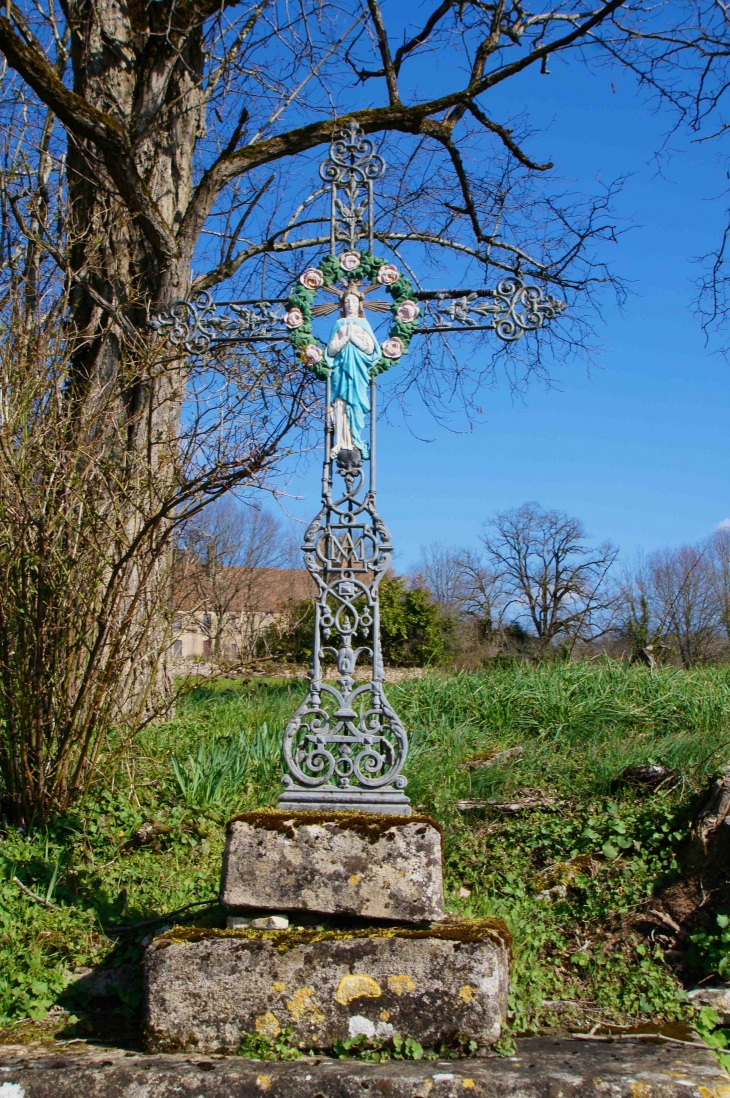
349 261
294 318
392 348
388 274
312 278
408 311
312 354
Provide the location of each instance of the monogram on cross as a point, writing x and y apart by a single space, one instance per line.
345 747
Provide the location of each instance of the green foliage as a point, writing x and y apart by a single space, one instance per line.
707 1022
214 775
257 1046
638 626
379 1050
302 298
546 875
330 268
413 632
710 948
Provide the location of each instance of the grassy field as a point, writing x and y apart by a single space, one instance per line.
567 870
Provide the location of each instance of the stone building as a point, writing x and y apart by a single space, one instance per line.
223 611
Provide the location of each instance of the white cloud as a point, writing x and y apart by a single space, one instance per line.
724 525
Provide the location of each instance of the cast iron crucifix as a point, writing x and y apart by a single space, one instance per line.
345 747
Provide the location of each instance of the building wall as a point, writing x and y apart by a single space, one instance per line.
194 633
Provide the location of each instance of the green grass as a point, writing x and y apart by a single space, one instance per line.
580 725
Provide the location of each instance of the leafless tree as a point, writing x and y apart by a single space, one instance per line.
176 137
470 593
439 570
483 596
718 555
698 43
461 582
85 588
674 602
685 601
554 581
637 628
225 551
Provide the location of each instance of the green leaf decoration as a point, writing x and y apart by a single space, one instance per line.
302 298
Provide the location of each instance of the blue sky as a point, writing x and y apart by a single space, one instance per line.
637 446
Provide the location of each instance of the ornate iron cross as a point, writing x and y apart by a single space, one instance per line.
345 747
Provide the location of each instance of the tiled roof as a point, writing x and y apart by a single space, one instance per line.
263 590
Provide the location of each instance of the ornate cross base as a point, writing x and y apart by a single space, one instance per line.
345 746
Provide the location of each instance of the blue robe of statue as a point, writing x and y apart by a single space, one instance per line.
350 378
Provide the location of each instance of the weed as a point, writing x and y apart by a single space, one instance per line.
216 775
258 1046
710 949
379 1050
707 1022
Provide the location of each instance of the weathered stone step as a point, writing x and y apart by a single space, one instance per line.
347 863
206 989
541 1068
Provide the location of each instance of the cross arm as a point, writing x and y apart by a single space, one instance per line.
510 309
199 323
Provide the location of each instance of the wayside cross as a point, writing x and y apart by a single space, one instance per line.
345 747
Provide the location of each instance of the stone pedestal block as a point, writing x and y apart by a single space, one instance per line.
207 989
371 866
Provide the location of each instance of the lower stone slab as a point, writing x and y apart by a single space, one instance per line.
542 1067
206 990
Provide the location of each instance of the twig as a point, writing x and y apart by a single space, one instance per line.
636 1037
34 896
511 808
158 919
667 920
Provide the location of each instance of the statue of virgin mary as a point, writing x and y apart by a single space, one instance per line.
351 353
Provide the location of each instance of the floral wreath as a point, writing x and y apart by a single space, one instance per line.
351 266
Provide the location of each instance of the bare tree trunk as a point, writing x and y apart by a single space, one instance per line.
114 257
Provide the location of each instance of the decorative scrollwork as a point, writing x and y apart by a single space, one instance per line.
350 169
199 323
352 157
510 310
345 745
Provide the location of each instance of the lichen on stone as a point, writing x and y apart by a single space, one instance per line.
357 985
463 931
401 984
371 825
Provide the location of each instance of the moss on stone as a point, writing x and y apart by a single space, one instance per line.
371 825
463 930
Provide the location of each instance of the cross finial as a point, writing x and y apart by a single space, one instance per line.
351 168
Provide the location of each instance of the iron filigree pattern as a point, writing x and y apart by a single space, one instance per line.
351 168
345 746
199 323
510 310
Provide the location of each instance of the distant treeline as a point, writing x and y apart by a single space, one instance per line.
538 588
